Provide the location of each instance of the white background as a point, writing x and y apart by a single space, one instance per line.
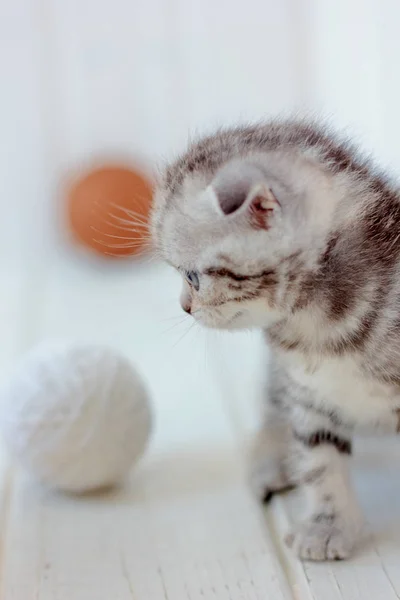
83 80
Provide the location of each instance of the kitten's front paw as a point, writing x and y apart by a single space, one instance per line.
324 537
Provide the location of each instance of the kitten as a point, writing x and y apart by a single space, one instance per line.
283 227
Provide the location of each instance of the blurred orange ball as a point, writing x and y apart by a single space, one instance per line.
108 211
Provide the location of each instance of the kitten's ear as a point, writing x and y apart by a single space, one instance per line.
261 204
245 191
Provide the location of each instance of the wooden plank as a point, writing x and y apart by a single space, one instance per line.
175 533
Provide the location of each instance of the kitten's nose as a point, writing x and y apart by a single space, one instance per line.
186 299
186 302
187 307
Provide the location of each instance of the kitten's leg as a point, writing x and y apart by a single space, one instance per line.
268 459
321 456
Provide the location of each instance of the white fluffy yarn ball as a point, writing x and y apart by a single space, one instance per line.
76 416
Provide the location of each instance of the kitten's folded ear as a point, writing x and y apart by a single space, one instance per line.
242 188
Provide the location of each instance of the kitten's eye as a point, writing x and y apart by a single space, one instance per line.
193 279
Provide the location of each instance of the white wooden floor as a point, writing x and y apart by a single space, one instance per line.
185 527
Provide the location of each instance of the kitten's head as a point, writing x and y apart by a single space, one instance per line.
235 225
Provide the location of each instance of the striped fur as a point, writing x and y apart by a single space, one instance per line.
288 229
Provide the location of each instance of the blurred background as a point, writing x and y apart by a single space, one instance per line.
90 80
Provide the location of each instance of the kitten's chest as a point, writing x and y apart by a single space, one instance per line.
342 384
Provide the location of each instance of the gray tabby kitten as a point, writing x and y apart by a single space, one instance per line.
283 227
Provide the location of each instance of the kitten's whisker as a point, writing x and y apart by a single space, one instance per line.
173 326
129 212
111 235
125 257
185 334
118 246
175 318
129 222
139 220
115 226
143 201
